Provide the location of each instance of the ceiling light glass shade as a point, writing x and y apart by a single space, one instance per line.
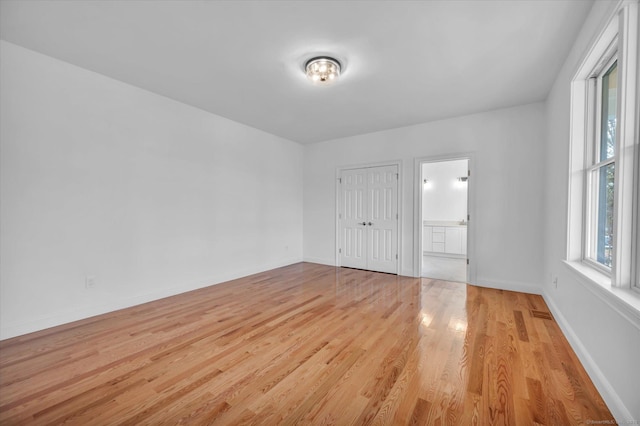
322 70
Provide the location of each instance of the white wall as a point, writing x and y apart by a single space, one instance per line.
150 196
444 198
607 342
508 146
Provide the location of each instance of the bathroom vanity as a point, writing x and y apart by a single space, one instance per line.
444 238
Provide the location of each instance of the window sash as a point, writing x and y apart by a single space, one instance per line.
595 107
594 211
603 106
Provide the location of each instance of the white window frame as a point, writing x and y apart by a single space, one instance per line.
617 41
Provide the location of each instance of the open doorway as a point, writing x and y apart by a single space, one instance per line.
444 219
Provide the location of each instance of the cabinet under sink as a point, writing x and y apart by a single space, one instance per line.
449 238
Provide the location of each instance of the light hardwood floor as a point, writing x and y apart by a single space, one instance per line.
305 344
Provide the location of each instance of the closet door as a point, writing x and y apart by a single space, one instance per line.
352 218
368 218
382 222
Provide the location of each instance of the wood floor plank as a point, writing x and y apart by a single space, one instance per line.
305 344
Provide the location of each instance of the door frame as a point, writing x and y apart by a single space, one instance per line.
339 170
471 210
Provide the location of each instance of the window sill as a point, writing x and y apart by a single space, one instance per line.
624 300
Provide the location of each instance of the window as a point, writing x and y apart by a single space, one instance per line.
601 172
603 203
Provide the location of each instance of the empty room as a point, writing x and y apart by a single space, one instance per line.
319 212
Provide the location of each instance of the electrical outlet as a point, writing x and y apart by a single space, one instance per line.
555 282
89 281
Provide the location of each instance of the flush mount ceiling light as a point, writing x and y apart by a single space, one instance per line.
322 69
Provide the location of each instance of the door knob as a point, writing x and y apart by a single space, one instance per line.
363 223
369 223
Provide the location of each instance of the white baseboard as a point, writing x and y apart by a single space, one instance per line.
320 260
9 330
615 404
509 285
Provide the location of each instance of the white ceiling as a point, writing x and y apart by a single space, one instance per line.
405 62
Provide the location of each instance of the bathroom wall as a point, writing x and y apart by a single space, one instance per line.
444 198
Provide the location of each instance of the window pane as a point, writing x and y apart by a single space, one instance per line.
604 220
608 121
